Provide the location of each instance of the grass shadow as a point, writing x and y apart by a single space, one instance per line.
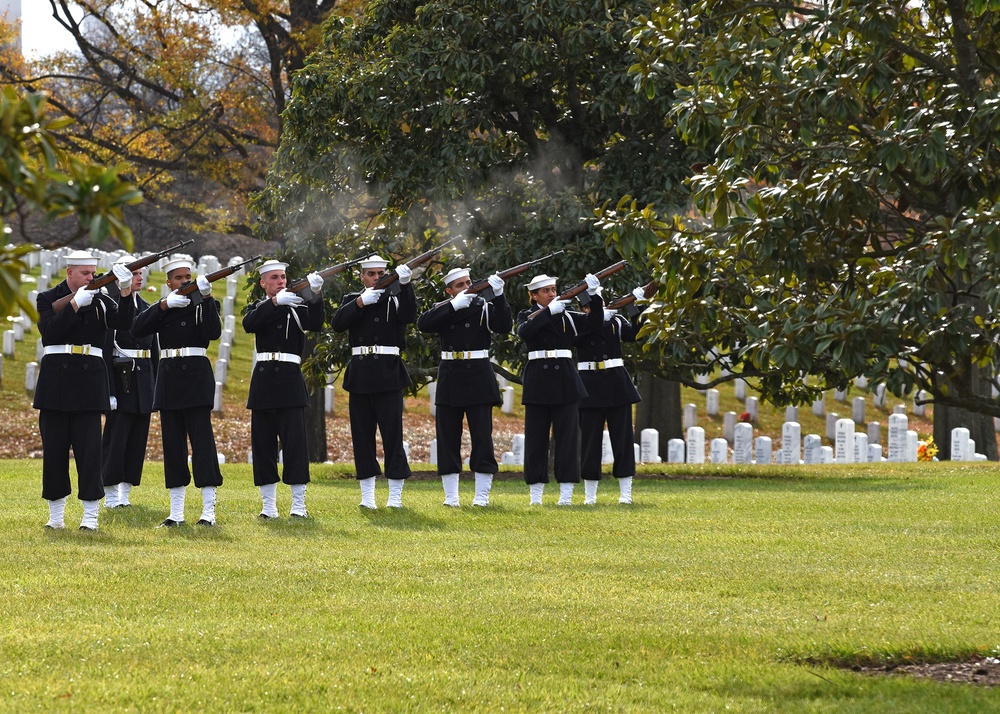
403 519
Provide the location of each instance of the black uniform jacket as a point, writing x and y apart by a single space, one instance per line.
383 323
131 380
74 383
466 382
608 387
182 382
279 385
555 381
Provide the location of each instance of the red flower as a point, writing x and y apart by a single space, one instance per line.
745 416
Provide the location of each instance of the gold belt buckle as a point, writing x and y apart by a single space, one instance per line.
459 355
77 350
599 365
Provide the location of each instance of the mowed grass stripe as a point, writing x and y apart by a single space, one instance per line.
706 593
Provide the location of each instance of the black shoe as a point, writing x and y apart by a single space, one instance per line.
170 524
87 528
265 517
299 515
206 522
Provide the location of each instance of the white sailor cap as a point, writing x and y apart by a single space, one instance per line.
80 257
455 274
268 265
124 259
374 261
176 261
541 281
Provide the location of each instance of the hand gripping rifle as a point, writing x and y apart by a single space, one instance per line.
109 277
582 285
390 279
303 283
191 288
628 301
483 284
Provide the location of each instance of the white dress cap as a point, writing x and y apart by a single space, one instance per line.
268 265
541 281
80 257
455 274
125 259
178 261
374 261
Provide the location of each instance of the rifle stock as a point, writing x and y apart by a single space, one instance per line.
389 278
648 290
302 283
191 287
582 285
109 277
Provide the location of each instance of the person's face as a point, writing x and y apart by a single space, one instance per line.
370 276
543 296
273 282
458 286
177 277
79 275
137 280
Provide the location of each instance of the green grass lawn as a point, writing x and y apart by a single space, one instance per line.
708 594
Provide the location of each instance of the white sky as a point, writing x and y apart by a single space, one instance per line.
40 34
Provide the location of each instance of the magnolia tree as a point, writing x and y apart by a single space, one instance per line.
848 224
36 176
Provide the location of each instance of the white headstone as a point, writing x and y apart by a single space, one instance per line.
791 413
228 304
328 392
819 407
912 443
720 451
231 286
675 451
30 376
649 444
695 445
221 367
844 443
874 432
217 402
712 402
39 349
8 343
406 449
434 452
230 324
507 396
701 378
752 407
898 425
607 455
791 443
690 416
919 410
636 451
729 426
507 458
831 425
740 389
860 447
860 383
840 395
970 450
811 445
826 454
875 453
517 448
221 458
899 409
18 328
742 443
763 453
432 394
879 399
43 283
959 443
858 410
225 350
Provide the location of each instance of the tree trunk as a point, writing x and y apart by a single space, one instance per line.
315 416
980 426
659 409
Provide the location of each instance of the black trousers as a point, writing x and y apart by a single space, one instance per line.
621 431
385 411
483 459
267 427
124 447
564 421
179 425
59 432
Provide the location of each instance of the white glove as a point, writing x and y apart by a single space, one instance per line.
496 282
114 403
286 298
608 314
370 296
175 299
404 273
640 293
593 284
462 300
557 306
315 282
204 286
84 297
123 275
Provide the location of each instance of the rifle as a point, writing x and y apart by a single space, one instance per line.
109 277
389 278
582 285
302 283
483 284
648 290
192 287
